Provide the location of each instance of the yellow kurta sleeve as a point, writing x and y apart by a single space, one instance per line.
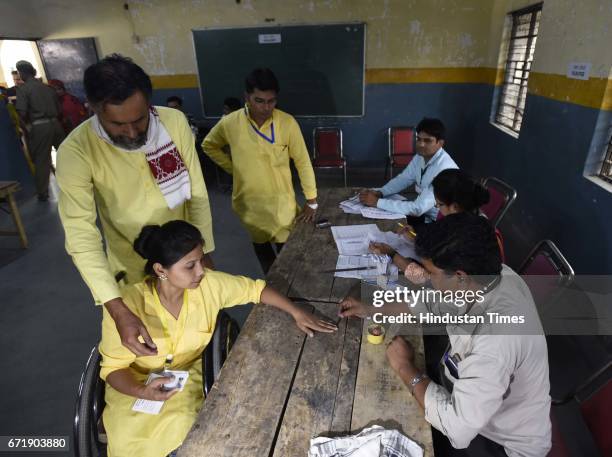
115 356
301 159
198 207
213 147
229 290
77 210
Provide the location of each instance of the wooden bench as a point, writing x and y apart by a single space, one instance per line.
7 189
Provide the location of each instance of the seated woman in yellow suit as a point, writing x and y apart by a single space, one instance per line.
178 303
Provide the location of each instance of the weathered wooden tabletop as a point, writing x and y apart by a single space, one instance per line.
278 388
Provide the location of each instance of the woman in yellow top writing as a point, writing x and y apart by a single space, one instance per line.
178 303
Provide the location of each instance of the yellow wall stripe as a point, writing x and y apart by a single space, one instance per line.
593 93
430 75
174 81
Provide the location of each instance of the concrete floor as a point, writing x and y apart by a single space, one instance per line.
50 323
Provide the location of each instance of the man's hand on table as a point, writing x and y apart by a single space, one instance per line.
307 214
369 197
130 327
400 354
351 307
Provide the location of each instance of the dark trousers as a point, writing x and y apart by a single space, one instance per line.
266 255
479 447
40 140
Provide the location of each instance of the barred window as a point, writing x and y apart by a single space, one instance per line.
513 94
606 168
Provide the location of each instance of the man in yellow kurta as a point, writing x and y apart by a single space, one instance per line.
130 165
262 139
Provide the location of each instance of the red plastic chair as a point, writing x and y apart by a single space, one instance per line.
545 259
401 148
594 399
502 195
327 145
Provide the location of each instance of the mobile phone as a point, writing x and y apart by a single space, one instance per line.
322 223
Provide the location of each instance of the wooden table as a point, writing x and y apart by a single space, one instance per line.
7 189
278 388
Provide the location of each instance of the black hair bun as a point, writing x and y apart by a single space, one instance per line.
144 243
481 195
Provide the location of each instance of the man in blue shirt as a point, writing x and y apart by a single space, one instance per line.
431 159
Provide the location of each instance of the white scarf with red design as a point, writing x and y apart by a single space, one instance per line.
164 160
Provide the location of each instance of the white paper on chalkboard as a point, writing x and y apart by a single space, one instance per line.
269 38
578 70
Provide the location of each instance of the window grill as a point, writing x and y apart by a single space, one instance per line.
606 168
511 106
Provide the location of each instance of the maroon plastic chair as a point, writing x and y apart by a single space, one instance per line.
327 146
594 399
545 259
502 195
401 148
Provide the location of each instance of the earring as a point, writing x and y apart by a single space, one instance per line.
163 277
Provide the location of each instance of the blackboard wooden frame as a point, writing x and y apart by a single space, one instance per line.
211 107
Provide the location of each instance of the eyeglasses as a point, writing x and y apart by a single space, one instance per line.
426 140
439 204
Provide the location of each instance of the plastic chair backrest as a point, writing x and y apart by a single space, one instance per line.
401 145
328 143
546 270
595 399
89 406
501 196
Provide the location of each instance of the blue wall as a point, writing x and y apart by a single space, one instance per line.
545 164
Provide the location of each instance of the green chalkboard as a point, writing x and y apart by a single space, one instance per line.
320 67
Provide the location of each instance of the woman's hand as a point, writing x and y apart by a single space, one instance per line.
407 231
307 322
155 389
416 274
381 248
350 307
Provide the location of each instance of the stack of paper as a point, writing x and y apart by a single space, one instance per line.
353 243
355 261
354 206
353 239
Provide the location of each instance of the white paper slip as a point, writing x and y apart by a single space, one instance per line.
377 213
154 407
349 261
352 205
353 239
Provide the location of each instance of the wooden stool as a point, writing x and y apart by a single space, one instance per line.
7 189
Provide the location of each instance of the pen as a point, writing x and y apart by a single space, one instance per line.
412 233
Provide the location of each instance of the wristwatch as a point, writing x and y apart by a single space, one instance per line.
313 205
417 379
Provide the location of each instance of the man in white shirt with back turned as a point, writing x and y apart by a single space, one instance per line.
492 400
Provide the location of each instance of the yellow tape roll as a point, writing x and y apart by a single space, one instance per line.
373 338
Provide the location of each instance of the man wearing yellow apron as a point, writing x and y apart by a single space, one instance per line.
262 139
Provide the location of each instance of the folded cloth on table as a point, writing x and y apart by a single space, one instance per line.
374 441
